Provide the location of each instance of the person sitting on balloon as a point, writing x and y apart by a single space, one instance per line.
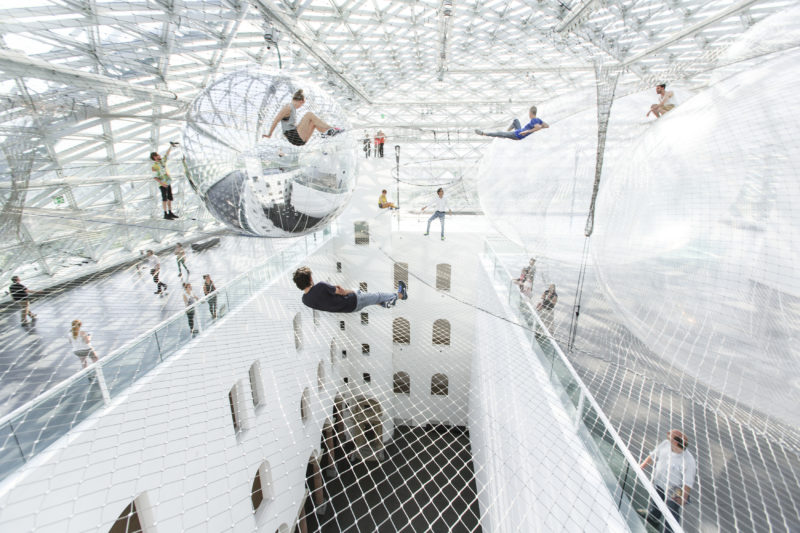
299 133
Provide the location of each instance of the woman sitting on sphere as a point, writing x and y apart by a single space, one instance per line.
298 134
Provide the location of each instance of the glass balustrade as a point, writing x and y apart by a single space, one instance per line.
36 425
628 485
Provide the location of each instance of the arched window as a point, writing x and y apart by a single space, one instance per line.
128 521
298 331
439 385
441 332
401 383
305 409
442 277
236 408
361 231
261 490
315 484
320 376
400 274
401 331
256 384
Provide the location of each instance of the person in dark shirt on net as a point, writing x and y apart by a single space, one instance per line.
518 132
20 294
335 299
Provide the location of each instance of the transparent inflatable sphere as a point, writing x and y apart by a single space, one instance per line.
260 186
695 237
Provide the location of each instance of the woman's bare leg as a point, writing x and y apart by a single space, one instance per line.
309 123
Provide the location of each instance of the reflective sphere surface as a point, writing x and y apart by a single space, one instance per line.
259 186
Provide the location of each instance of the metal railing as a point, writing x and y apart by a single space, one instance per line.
629 486
31 428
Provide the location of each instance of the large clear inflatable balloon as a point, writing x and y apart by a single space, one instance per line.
694 239
267 186
693 248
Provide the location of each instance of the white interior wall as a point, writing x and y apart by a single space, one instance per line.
171 438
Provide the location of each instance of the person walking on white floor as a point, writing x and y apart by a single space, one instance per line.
440 206
81 342
189 299
155 270
21 295
180 258
674 470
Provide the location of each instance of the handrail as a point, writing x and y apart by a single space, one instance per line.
41 418
585 396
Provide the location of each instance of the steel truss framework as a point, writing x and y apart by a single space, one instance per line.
93 85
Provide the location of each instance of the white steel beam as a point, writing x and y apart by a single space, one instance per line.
17 64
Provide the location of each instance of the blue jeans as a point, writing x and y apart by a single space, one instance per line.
384 299
507 134
440 216
654 515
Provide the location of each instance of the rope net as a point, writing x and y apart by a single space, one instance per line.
464 408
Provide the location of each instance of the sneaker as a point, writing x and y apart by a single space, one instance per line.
479 132
442 237
172 215
167 217
402 290
333 131
157 292
425 234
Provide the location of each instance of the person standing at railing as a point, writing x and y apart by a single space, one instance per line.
81 342
210 288
674 470
527 272
189 299
545 308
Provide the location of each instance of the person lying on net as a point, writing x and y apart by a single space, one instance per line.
517 132
299 133
335 299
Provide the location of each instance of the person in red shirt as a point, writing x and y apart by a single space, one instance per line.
380 139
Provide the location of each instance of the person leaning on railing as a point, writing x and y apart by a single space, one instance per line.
210 288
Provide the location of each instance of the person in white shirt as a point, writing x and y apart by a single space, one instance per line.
666 101
440 206
81 342
155 269
674 470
